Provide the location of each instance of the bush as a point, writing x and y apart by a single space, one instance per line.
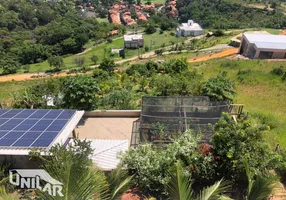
94 59
107 65
234 142
150 164
218 33
279 71
150 29
100 74
219 89
137 68
109 40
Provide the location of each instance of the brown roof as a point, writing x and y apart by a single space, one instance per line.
112 128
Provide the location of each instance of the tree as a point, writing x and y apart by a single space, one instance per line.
79 62
219 88
176 65
94 59
79 92
150 29
100 74
107 65
57 62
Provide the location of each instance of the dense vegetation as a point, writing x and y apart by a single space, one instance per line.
106 89
32 31
222 14
232 145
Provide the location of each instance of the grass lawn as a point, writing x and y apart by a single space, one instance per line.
262 93
154 41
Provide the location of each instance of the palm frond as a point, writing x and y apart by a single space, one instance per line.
215 191
261 188
179 187
119 182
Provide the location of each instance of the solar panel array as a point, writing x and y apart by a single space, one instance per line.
30 128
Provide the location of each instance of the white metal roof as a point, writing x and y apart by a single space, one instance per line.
267 41
106 152
132 37
60 139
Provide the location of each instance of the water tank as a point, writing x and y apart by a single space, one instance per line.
190 22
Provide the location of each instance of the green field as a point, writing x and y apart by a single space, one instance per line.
154 41
262 93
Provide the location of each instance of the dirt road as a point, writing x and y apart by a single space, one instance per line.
223 53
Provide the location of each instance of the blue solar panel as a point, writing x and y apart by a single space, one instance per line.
57 125
53 114
25 113
41 125
2 121
39 114
42 142
67 114
26 124
30 127
10 113
13 135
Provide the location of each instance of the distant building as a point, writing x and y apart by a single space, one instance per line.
133 41
263 46
189 29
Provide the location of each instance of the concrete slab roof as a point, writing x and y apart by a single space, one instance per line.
110 128
267 41
132 37
193 27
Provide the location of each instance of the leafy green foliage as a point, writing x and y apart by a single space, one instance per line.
150 164
228 14
107 65
259 187
79 92
57 62
94 59
235 142
35 30
150 29
33 96
219 89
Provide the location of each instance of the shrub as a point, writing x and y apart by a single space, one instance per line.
150 29
137 68
219 89
279 71
234 142
150 164
109 40
94 59
100 74
107 65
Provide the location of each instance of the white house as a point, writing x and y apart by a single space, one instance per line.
189 29
133 41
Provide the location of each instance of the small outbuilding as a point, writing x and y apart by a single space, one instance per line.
189 29
133 41
263 46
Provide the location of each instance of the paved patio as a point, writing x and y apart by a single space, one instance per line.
111 128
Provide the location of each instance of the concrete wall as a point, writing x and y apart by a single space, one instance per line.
134 44
278 55
113 113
